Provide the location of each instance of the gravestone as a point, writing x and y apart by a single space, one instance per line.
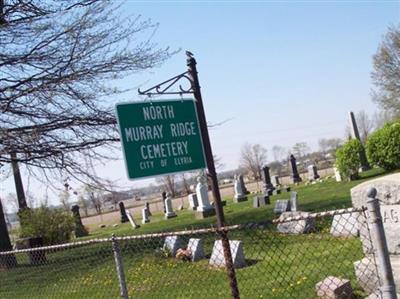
132 220
204 208
281 205
338 177
334 288
217 256
242 184
365 270
312 173
259 201
124 217
36 257
294 205
366 274
275 181
239 192
388 193
388 188
193 202
305 225
346 225
80 230
355 135
147 206
276 191
169 212
172 244
266 178
164 197
196 249
295 173
145 216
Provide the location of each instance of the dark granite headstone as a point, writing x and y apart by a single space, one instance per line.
164 197
147 206
124 217
355 134
266 179
295 174
80 230
241 180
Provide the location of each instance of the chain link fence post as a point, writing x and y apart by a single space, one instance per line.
387 288
119 267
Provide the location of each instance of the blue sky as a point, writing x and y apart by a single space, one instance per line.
281 72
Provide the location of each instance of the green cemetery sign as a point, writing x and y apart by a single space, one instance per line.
160 137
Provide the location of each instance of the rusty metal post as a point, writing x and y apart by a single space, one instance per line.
192 70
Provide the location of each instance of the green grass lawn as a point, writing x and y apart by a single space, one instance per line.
328 195
278 266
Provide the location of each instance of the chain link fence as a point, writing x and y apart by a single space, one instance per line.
321 255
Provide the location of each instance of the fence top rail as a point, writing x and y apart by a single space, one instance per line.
124 238
319 215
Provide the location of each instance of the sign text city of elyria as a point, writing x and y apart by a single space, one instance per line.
160 137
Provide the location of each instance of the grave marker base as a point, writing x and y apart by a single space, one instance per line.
204 214
240 199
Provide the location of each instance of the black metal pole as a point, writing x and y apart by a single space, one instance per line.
191 63
19 187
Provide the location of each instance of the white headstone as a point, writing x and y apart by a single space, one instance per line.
338 177
294 205
281 205
346 225
169 212
239 192
312 173
193 202
275 181
218 259
131 220
196 249
202 195
145 216
172 244
388 188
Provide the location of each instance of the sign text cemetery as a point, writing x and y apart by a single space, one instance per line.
160 137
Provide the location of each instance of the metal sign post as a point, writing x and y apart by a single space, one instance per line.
163 89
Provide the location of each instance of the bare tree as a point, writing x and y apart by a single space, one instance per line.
168 183
386 74
58 60
83 203
218 164
64 197
382 117
185 183
300 149
329 144
279 152
94 196
364 125
252 158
